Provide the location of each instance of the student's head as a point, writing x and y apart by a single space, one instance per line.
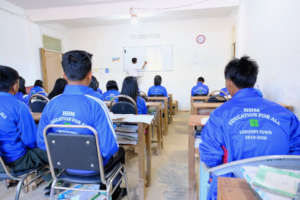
134 60
112 85
240 73
130 87
9 80
22 87
200 79
38 83
157 80
58 88
77 66
94 84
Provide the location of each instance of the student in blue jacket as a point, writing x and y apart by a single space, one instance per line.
22 94
80 105
130 88
17 128
37 89
157 89
95 86
248 125
200 89
112 90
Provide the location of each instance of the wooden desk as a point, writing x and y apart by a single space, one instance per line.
157 122
201 106
170 102
234 189
194 120
36 116
165 110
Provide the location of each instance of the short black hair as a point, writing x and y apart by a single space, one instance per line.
242 72
58 88
157 80
111 85
22 87
38 83
77 64
8 77
201 79
94 83
134 60
130 87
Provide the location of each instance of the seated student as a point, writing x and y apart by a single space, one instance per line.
22 94
17 128
200 89
95 86
248 125
157 89
79 105
112 90
130 88
37 88
58 88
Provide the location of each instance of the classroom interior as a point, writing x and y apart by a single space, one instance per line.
184 39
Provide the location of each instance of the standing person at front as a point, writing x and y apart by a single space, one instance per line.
135 69
248 125
80 105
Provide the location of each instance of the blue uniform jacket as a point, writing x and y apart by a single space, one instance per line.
157 90
80 105
248 126
224 90
100 91
141 105
110 94
200 89
17 128
36 90
20 96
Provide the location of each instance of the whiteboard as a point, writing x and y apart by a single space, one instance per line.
158 57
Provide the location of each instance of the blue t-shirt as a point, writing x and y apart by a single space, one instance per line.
141 105
200 89
157 90
110 94
80 105
17 128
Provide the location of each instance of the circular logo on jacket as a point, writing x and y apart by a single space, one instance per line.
200 39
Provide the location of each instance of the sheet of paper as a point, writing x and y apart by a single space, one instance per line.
130 118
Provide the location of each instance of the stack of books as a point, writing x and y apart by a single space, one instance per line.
127 134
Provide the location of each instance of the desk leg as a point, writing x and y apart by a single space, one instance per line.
158 134
149 156
191 157
141 161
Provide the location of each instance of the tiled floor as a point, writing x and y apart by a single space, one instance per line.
169 170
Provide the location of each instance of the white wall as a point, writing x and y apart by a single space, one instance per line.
191 60
269 31
20 41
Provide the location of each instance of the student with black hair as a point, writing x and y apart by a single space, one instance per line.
58 88
95 86
22 94
157 89
248 125
200 89
80 105
131 89
112 90
18 144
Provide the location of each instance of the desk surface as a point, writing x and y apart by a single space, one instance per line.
196 120
153 104
234 189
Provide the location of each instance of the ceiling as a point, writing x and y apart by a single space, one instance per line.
163 16
42 4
